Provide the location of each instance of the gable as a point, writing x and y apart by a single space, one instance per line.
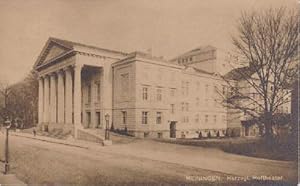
52 50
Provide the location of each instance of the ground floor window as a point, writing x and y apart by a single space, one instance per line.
159 135
98 119
146 134
158 118
88 118
144 117
124 117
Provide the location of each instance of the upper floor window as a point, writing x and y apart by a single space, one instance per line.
89 93
159 94
186 106
172 92
158 117
98 93
182 106
172 108
145 93
187 88
125 85
206 118
224 90
144 117
215 119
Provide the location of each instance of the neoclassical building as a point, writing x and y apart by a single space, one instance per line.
145 96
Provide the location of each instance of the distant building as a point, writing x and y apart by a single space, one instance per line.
142 94
243 122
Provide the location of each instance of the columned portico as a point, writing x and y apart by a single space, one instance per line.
60 97
68 95
52 98
77 94
46 101
41 100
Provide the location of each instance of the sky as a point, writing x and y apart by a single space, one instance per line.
168 27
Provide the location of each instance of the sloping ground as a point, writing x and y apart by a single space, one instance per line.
253 147
55 133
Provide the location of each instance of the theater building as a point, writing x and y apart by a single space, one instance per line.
145 96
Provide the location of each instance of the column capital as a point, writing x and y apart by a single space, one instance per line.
77 66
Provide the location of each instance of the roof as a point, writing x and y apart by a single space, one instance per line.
240 73
201 49
71 45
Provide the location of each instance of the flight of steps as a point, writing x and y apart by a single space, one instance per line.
92 135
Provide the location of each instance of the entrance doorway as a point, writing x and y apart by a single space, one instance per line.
173 129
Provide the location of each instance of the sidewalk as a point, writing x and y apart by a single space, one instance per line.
10 179
70 142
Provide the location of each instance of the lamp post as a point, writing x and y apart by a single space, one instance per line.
7 124
107 127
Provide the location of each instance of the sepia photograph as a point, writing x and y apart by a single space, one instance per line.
149 92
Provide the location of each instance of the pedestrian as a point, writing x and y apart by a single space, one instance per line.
34 131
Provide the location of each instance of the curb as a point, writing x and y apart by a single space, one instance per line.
50 140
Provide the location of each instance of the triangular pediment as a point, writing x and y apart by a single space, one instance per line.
51 51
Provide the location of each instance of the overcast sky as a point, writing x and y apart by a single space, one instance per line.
169 27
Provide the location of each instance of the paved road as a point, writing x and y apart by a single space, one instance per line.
140 161
209 159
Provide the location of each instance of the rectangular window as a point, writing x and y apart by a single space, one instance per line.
182 106
145 93
98 91
144 117
159 94
206 118
159 135
215 119
206 90
223 90
187 88
88 118
187 106
197 101
89 93
158 118
183 87
172 92
224 118
98 119
172 108
125 85
124 117
146 134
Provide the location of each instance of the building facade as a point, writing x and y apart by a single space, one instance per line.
143 95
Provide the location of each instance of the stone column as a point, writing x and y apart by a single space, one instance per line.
41 100
60 97
77 94
106 91
46 101
68 95
52 98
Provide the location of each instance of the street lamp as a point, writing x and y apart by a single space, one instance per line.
107 127
7 124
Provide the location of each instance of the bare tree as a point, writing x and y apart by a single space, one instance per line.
5 92
266 46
